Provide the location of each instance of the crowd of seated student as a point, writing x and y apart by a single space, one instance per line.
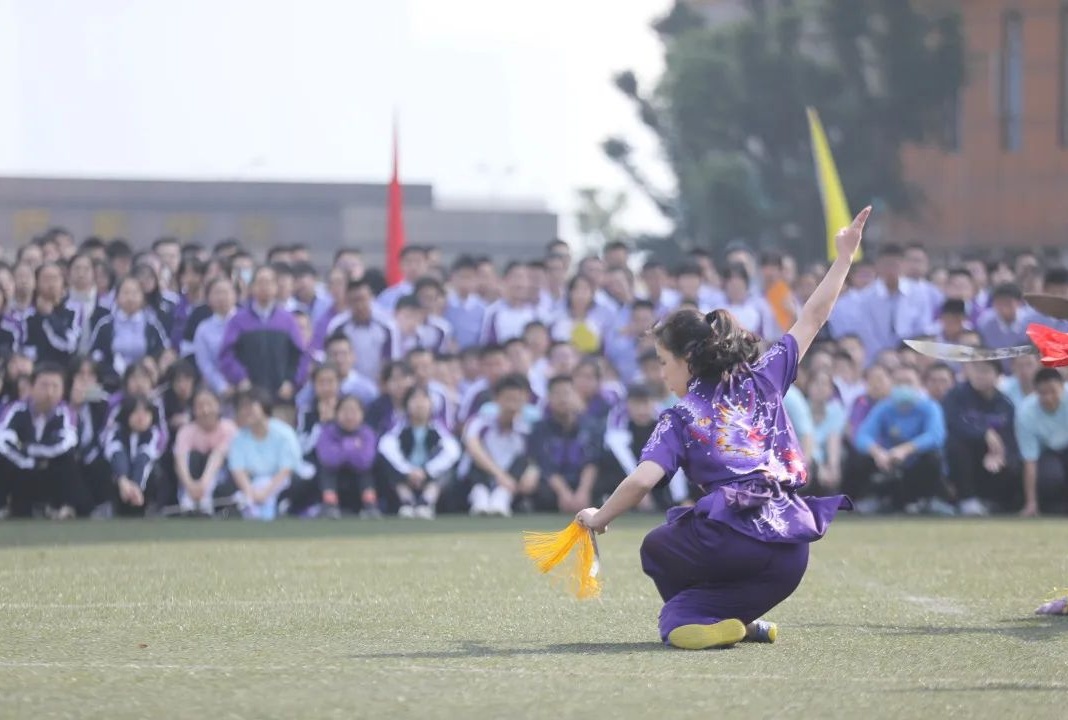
188 380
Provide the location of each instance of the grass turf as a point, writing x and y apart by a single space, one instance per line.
355 619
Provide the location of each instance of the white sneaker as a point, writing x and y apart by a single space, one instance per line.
424 512
973 507
501 502
406 511
480 500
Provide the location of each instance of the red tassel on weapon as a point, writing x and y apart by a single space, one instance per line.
1052 345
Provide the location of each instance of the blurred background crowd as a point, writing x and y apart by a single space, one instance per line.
183 379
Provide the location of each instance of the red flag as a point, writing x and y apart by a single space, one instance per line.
394 220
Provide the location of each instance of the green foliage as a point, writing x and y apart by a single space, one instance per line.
729 112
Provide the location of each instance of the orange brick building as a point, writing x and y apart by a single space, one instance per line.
1005 183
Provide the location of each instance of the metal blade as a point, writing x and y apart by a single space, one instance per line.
967 353
1053 306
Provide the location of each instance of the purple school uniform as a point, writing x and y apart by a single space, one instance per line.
734 440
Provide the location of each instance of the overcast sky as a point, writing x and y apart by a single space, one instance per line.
495 97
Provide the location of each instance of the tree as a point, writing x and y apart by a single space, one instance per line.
729 112
598 217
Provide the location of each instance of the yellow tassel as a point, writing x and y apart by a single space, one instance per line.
574 551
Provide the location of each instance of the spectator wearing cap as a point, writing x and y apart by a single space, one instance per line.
1005 323
262 345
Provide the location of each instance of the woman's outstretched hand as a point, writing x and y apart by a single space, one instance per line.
585 518
848 239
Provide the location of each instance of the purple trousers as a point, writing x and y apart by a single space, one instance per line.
707 572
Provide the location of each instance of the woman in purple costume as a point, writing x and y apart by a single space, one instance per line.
743 548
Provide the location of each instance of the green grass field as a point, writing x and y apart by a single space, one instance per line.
392 619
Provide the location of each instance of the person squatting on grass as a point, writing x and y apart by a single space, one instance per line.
420 454
743 548
262 457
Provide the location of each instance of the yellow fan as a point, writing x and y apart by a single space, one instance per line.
573 553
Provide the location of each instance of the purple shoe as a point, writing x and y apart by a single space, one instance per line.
1054 607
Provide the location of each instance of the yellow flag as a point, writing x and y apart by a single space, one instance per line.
835 208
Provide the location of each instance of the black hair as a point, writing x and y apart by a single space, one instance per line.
119 248
938 367
282 268
1046 375
92 243
323 367
345 251
132 403
412 392
555 243
197 265
256 395
953 306
428 282
590 362
1056 276
560 380
412 249
689 269
48 368
513 381
357 284
303 269
1007 290
890 250
771 258
464 262
338 336
408 302
713 345
182 368
573 282
640 391
616 245
491 349
639 304
736 270
395 366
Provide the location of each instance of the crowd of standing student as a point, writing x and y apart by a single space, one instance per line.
184 379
